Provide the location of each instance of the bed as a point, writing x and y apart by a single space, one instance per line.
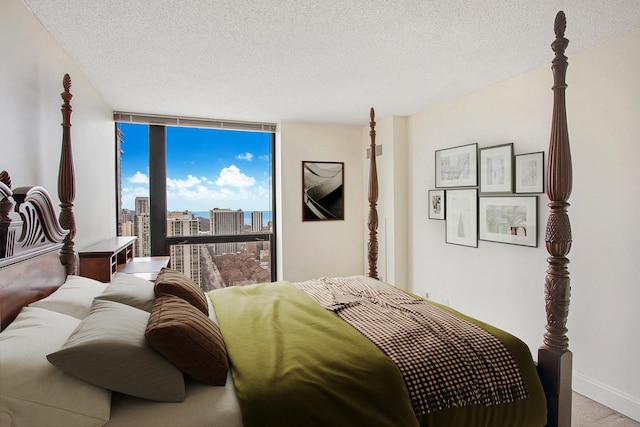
322 352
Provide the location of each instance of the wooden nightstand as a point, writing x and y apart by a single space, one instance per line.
103 259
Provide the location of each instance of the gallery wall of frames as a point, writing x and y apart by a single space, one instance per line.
487 193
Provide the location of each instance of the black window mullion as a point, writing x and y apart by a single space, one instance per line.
272 245
158 190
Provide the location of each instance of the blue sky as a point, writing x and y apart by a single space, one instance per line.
206 168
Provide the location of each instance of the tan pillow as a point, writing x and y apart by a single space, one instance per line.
33 392
108 349
189 339
173 282
130 290
73 298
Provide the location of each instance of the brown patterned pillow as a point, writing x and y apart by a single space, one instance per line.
173 282
188 339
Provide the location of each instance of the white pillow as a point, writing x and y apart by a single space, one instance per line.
33 391
130 290
73 298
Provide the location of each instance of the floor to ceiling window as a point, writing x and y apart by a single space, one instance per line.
202 195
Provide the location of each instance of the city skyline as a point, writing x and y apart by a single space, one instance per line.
206 168
143 202
211 265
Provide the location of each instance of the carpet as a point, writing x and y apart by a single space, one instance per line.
588 413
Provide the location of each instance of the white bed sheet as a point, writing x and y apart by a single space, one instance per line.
204 405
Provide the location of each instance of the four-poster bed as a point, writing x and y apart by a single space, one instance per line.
37 263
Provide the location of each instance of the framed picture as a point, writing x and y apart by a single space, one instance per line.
530 173
511 220
322 191
496 169
462 217
436 204
457 166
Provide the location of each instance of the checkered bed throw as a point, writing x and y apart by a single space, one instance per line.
445 361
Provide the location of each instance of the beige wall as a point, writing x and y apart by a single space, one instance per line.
31 73
503 284
392 232
318 248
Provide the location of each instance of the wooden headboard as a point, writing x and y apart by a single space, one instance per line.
36 248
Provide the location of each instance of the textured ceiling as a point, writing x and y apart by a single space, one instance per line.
323 61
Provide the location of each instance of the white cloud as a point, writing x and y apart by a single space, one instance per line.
139 178
245 156
131 192
232 176
129 195
180 184
232 189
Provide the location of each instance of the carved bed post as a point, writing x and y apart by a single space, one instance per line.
554 357
6 239
372 222
66 182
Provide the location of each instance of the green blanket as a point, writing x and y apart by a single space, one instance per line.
296 364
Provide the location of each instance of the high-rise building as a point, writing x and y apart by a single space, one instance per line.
184 258
126 215
256 221
126 229
142 205
125 223
226 221
141 227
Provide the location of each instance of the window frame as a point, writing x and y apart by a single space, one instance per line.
160 242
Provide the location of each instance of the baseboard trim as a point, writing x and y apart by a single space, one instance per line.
617 400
